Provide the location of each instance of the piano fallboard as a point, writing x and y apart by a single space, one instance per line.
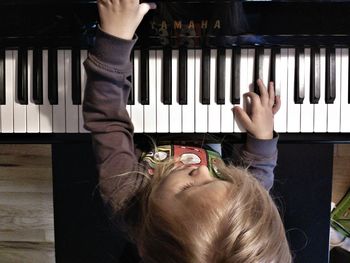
194 24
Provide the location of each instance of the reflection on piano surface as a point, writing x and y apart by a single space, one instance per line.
192 63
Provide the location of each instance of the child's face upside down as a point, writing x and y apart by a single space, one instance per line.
190 186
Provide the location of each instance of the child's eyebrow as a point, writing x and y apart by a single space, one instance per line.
213 181
194 195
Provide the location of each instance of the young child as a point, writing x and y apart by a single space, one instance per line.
179 209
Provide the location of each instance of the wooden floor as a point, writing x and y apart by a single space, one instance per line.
26 209
341 171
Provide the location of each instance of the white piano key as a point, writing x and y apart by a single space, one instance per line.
293 110
301 74
345 106
175 108
214 109
128 107
59 110
250 70
201 110
188 109
266 66
281 87
247 82
33 114
244 87
333 124
7 109
320 109
19 110
46 124
150 111
72 113
227 118
137 108
162 109
307 109
83 57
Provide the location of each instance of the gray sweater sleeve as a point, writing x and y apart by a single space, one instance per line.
108 68
261 158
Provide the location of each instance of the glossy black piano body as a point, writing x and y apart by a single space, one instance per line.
70 25
303 176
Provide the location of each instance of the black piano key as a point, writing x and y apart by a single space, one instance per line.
2 77
167 81
76 77
315 75
131 98
235 82
274 53
52 76
182 76
22 67
38 76
299 85
145 77
258 67
205 92
220 77
330 75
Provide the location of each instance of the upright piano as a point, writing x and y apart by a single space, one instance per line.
192 63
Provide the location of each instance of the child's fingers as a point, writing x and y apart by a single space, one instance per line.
262 90
253 96
271 93
242 117
103 3
254 102
277 105
145 7
152 5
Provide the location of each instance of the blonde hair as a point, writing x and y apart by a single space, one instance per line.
247 228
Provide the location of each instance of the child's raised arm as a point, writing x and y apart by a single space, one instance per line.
109 69
260 150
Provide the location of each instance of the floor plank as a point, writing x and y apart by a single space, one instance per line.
26 204
27 252
341 171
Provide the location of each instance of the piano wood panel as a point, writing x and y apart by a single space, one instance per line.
26 204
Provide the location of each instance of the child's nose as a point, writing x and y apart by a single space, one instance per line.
202 172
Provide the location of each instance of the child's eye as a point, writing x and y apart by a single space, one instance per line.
186 186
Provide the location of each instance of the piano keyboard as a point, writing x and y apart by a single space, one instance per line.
180 91
20 114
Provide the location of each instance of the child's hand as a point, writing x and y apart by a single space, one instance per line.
258 121
121 18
